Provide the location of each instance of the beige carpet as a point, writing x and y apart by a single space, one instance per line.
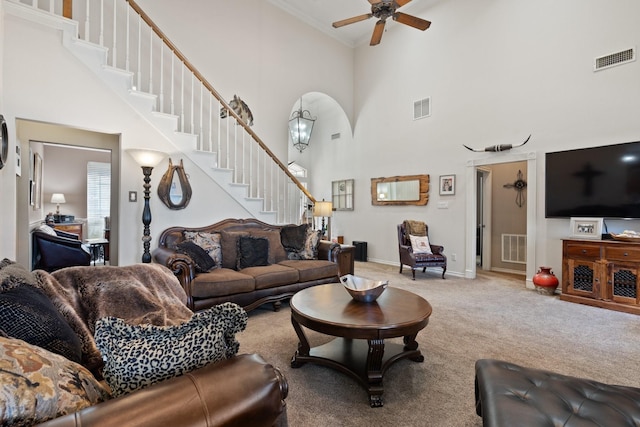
493 316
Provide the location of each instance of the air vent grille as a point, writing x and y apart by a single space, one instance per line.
613 59
422 108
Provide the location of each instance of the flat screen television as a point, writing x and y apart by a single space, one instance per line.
600 182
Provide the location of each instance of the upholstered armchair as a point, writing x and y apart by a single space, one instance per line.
55 249
419 260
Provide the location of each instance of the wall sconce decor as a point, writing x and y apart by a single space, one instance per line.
300 127
147 159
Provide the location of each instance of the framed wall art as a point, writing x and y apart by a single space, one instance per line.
586 228
447 185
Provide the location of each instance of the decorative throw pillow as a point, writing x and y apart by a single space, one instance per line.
137 356
27 314
210 242
420 244
199 256
293 238
252 252
310 249
38 385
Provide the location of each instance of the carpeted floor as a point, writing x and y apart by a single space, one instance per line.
492 316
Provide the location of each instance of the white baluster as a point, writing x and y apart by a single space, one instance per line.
139 53
87 25
173 80
114 48
150 60
201 139
101 38
191 110
182 98
128 35
162 76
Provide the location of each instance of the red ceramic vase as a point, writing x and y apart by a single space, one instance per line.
545 281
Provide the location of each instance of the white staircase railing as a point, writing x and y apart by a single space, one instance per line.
135 45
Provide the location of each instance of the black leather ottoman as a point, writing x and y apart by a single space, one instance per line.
509 395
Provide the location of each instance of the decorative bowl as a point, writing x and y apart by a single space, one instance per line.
361 289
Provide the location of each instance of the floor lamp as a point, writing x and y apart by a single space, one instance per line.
147 159
323 209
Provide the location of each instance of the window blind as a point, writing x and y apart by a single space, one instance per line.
98 197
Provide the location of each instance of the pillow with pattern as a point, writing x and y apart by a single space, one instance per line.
310 249
137 356
38 385
420 244
210 242
201 259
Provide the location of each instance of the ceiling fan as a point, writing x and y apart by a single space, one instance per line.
383 9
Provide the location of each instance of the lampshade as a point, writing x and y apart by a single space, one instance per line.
300 128
144 157
58 198
323 209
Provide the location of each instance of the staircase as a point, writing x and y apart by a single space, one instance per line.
120 44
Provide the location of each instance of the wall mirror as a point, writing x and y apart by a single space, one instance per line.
400 190
174 189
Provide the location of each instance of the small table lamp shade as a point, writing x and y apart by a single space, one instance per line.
58 198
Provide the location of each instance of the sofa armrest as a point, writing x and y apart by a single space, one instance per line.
242 391
181 265
328 250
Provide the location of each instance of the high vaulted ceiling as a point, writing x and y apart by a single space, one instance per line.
322 13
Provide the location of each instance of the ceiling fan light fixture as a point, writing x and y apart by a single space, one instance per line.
300 128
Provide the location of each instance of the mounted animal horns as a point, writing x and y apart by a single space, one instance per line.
496 148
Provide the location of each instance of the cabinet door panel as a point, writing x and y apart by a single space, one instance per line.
583 278
622 283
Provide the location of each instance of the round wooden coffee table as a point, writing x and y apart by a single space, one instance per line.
361 328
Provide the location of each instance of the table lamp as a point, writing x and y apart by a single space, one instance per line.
58 198
323 209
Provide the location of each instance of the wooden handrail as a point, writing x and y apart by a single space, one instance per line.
215 93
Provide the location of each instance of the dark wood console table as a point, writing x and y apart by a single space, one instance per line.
360 350
602 273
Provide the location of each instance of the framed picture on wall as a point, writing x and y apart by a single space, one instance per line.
586 228
447 185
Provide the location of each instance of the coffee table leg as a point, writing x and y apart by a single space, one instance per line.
374 372
303 345
410 344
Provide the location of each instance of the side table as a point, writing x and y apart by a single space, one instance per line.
97 248
346 259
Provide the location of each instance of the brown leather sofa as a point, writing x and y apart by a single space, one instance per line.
510 395
249 287
241 391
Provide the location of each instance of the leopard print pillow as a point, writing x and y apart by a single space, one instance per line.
137 356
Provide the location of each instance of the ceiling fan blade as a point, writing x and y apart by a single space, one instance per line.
378 30
348 21
402 2
412 21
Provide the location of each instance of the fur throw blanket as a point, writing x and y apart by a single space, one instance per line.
140 293
414 228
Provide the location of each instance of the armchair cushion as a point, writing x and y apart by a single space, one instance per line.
137 356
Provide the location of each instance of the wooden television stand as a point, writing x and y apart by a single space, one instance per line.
602 273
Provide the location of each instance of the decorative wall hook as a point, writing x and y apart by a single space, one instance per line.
495 148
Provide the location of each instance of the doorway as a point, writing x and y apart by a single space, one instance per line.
480 167
27 215
483 222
